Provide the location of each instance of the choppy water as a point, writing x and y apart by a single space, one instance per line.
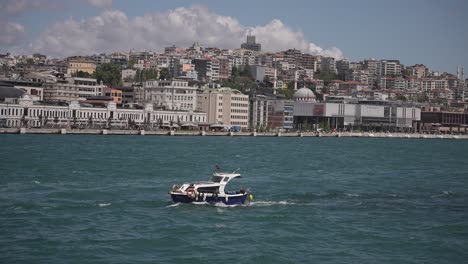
103 199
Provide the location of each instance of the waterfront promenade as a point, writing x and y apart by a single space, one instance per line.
218 133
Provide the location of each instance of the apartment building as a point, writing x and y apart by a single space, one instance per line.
83 64
72 89
171 94
225 106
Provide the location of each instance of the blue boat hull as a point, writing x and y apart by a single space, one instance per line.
231 199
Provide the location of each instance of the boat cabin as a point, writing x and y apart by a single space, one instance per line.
215 185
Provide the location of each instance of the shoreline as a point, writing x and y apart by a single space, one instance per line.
63 131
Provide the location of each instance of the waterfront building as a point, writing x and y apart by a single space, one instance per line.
364 114
171 94
225 106
448 120
25 113
258 111
280 114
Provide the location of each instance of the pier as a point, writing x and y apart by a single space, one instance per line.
62 131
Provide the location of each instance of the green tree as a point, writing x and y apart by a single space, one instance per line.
246 72
288 92
110 74
131 63
164 74
422 98
81 74
234 72
327 77
401 97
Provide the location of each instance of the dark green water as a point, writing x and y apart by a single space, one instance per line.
103 199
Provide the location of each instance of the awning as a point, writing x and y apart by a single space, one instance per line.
188 125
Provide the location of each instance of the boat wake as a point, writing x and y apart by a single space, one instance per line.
276 203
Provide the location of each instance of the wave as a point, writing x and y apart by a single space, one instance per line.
447 194
104 204
228 205
275 203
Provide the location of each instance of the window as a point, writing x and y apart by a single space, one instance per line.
216 179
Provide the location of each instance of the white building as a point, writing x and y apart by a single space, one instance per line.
72 89
128 74
385 68
328 64
225 106
258 113
27 114
171 94
376 114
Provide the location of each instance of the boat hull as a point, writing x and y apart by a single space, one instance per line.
227 199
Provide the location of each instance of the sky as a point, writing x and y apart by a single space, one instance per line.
429 32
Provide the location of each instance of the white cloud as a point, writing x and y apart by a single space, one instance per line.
112 30
100 3
11 33
14 7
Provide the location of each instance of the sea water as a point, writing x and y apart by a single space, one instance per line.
104 199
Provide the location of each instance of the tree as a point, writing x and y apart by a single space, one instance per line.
131 63
422 98
401 97
164 74
234 72
289 92
327 77
81 74
110 74
246 72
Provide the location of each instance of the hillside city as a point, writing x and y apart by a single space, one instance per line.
242 89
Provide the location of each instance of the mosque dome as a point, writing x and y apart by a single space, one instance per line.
304 95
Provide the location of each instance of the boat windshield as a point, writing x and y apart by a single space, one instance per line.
216 178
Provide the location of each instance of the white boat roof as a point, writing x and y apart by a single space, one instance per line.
226 174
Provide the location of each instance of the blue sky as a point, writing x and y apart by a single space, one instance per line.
429 32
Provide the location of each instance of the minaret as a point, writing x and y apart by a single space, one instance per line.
295 80
274 81
458 72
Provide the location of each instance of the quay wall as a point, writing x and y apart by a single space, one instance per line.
227 134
